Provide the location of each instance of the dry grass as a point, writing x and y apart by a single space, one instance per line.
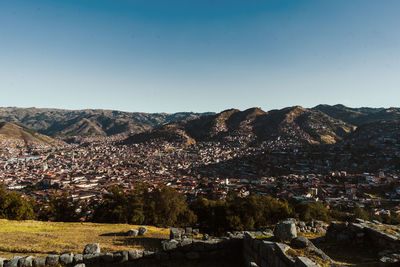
310 235
42 238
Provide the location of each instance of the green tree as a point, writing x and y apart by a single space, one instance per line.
14 207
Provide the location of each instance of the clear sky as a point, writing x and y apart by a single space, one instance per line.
199 55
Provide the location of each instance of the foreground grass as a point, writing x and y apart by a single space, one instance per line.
42 238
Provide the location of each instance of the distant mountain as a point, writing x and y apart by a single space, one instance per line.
90 122
17 134
294 124
359 116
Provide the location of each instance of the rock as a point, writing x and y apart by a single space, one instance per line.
196 231
78 258
132 232
386 260
93 248
174 233
39 262
304 262
285 230
67 258
26 262
80 265
135 254
52 260
188 230
169 244
206 237
300 242
13 262
2 260
186 242
142 230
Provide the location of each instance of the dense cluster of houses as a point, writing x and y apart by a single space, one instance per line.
208 169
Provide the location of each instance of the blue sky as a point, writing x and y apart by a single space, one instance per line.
199 55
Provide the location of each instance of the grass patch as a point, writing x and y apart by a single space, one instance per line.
42 238
310 235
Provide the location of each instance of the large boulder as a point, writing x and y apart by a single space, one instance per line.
93 248
285 230
142 230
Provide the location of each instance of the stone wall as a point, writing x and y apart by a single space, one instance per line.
185 249
375 235
270 254
240 249
363 233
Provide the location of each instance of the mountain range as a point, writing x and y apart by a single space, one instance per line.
89 122
323 124
296 125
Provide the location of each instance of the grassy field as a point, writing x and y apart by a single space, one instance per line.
42 238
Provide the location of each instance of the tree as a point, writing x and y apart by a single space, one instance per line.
14 207
61 208
166 207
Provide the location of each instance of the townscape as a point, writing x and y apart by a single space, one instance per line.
86 170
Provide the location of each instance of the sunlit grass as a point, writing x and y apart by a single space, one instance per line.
42 238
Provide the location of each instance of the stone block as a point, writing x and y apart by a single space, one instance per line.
174 233
66 259
135 254
78 258
26 262
93 248
169 244
285 230
39 262
52 260
13 262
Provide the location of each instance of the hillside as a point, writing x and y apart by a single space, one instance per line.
359 116
16 134
294 124
90 122
377 134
